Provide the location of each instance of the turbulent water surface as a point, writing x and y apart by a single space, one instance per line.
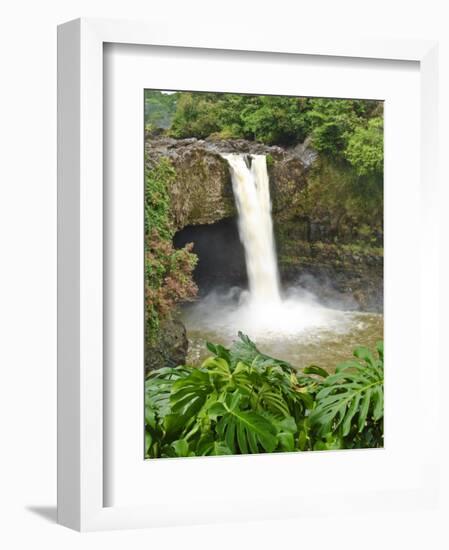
300 331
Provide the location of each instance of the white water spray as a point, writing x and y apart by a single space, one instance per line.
252 196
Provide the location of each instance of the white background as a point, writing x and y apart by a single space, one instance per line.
28 270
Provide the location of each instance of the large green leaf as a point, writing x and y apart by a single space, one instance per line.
272 399
350 396
219 370
243 401
245 350
330 442
189 394
158 387
178 448
314 369
286 430
296 396
243 431
174 425
209 446
148 443
219 351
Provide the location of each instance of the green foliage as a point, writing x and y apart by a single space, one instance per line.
276 119
350 396
269 119
245 430
365 148
349 130
349 205
332 122
343 129
270 160
168 271
242 401
157 199
196 115
159 109
238 401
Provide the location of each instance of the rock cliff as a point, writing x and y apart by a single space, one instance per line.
319 246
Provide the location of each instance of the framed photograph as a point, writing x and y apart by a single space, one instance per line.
236 261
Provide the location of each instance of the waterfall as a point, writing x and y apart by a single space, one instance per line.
251 189
259 312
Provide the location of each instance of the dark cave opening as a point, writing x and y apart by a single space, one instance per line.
221 257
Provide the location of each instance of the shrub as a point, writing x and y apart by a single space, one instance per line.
365 148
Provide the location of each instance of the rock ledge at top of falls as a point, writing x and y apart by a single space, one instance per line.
202 190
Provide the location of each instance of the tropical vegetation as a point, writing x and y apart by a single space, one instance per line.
168 271
241 401
345 130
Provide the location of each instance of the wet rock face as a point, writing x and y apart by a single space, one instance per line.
339 276
287 180
202 193
203 211
171 346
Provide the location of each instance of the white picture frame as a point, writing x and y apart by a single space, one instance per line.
81 382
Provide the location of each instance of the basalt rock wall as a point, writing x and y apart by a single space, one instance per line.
320 248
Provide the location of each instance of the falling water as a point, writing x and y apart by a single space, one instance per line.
252 196
296 326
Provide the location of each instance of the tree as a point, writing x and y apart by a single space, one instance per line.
364 149
159 108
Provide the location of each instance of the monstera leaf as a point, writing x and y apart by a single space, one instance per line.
244 431
243 401
245 350
352 395
189 394
158 387
208 446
